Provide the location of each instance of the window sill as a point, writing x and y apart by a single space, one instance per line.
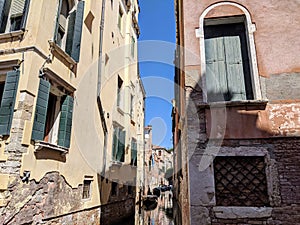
56 50
120 110
48 146
233 104
13 34
236 212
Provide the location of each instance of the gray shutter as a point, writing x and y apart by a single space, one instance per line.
57 21
65 123
216 81
17 7
8 101
115 143
2 3
75 54
25 14
70 32
41 111
121 146
234 67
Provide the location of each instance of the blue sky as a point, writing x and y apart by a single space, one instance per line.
157 22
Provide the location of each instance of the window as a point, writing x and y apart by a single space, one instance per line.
8 91
129 189
86 191
240 181
120 19
119 93
131 106
118 151
68 28
133 153
132 46
114 189
228 76
13 15
53 115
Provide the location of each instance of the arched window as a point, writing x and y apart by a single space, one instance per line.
228 58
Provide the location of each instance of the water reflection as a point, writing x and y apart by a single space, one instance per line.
161 215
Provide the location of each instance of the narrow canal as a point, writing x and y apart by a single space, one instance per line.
161 215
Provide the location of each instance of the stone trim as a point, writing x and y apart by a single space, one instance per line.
222 212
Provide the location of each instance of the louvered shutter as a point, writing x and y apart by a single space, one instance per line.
75 53
25 14
234 67
216 81
115 143
41 111
70 33
8 101
133 152
2 3
57 21
121 146
65 123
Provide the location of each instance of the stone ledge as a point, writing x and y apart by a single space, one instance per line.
224 104
235 212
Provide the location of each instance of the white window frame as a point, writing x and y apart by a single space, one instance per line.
250 29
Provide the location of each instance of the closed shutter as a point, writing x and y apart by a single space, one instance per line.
25 14
121 146
75 53
55 37
8 101
234 67
65 123
2 3
115 143
216 77
41 111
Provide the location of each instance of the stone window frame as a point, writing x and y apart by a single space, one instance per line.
235 212
250 29
89 180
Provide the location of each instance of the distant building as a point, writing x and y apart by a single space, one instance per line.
71 125
236 112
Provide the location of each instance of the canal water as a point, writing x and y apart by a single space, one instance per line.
161 215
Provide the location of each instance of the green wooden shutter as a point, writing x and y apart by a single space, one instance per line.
25 14
115 143
57 21
65 123
216 81
2 3
75 54
70 33
41 111
121 146
8 101
133 152
234 67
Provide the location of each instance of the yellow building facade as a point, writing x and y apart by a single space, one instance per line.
72 110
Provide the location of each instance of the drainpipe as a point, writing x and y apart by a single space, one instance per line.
102 115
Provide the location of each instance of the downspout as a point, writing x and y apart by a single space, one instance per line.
102 115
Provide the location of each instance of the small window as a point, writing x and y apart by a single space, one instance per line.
129 191
118 151
114 189
120 19
13 15
86 191
132 46
133 153
131 106
119 92
241 181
